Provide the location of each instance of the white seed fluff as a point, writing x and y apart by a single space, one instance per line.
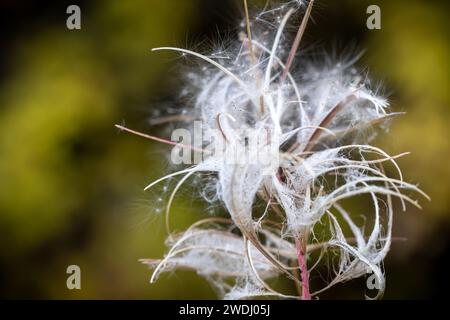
318 117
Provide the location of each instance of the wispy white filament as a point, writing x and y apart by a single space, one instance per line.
317 118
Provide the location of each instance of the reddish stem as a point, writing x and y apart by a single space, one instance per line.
301 256
297 41
173 143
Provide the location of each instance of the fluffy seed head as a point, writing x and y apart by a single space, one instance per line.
314 155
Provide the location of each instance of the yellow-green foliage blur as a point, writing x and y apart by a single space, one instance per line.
71 185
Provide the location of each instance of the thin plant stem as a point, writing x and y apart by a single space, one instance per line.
301 257
249 32
297 41
165 141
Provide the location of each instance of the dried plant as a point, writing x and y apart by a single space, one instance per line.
318 118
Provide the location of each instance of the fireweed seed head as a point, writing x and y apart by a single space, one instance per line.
292 141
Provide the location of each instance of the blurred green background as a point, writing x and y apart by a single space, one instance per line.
71 185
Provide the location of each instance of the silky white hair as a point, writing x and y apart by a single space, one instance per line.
318 115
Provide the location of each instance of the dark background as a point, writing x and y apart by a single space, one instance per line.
71 186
